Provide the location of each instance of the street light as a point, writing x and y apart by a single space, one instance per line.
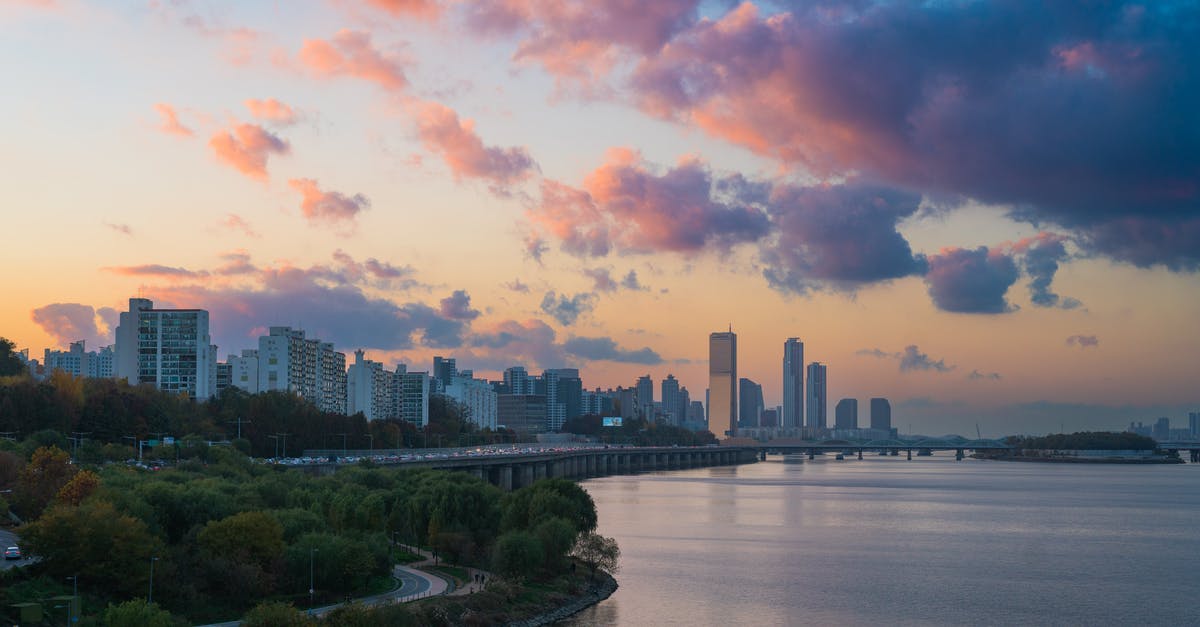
71 618
150 597
311 587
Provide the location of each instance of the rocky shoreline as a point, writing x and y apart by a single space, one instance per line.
603 588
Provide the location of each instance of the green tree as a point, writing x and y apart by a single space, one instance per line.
276 615
598 552
10 364
557 536
137 613
248 537
109 551
81 486
528 507
517 554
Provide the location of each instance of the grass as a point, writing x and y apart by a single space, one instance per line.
458 573
404 557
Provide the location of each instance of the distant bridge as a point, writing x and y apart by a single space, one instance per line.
510 470
891 447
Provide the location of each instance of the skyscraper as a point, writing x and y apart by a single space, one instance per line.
750 403
881 414
672 402
817 402
645 394
845 414
722 382
168 348
1194 423
793 384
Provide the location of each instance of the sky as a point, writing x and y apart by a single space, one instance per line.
987 212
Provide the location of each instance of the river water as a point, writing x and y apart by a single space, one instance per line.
888 541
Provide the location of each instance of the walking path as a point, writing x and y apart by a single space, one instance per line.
414 584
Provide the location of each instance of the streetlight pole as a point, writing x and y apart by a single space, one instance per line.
74 599
311 587
150 598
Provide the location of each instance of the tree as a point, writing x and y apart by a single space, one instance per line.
137 613
598 552
517 554
81 486
46 473
557 537
254 537
108 550
528 507
276 615
10 364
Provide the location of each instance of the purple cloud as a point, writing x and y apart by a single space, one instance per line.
971 281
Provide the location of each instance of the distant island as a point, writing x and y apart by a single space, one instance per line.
1086 447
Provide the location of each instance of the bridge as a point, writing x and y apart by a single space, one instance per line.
510 469
923 446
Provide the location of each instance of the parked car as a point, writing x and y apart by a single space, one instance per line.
12 553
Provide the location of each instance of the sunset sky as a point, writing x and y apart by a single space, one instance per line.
988 212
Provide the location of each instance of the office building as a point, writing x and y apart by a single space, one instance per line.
444 369
673 402
517 381
167 348
793 384
845 414
750 403
881 414
645 397
1194 424
523 413
722 383
815 393
1162 429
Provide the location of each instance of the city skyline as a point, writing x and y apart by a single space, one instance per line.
597 188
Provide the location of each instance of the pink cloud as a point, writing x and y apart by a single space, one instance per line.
350 53
424 9
327 207
246 148
71 322
170 121
440 128
271 110
234 222
626 205
157 270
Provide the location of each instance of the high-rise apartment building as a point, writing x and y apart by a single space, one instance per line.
368 388
74 361
793 384
518 381
244 370
444 369
672 400
722 382
410 395
307 367
845 414
478 397
1194 423
817 401
750 403
881 414
645 396
167 348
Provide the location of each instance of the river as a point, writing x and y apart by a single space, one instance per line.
887 541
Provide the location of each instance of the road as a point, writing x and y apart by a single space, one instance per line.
7 539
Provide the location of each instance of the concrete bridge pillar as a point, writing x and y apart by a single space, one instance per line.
527 474
958 455
539 470
860 453
591 465
910 455
812 453
506 478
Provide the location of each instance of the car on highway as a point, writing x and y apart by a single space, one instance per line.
12 553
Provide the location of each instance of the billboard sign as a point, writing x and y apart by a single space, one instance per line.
611 421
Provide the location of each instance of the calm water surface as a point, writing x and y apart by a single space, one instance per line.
888 541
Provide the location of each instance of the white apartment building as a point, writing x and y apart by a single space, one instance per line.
369 388
244 370
308 367
479 398
167 348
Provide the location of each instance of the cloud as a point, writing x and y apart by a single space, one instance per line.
457 306
156 270
350 53
1079 107
914 359
875 352
422 9
535 247
990 376
271 110
630 282
842 236
627 207
517 286
246 148
330 207
971 281
602 280
234 222
71 322
603 348
170 121
239 44
442 132
566 310
1042 254
1083 341
504 343
123 229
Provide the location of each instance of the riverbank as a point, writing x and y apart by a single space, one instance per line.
1068 459
603 588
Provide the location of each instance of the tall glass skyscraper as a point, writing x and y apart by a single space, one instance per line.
817 401
793 384
722 382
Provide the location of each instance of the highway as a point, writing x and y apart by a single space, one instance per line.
7 539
